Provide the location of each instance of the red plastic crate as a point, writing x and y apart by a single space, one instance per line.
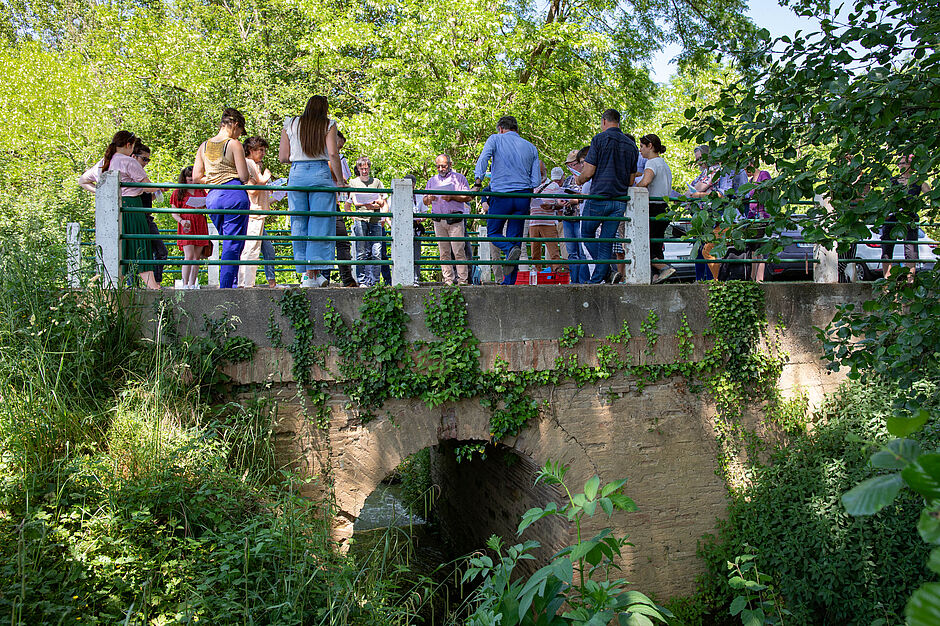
544 278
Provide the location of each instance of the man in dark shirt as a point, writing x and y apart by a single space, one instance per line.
611 166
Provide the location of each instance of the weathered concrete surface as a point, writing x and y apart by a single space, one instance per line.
661 438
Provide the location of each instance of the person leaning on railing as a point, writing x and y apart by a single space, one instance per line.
514 169
343 251
611 166
701 187
579 273
309 144
757 213
727 184
543 227
221 161
117 157
255 150
142 156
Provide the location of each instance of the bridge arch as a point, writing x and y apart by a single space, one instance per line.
362 455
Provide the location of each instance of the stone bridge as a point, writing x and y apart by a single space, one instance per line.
660 436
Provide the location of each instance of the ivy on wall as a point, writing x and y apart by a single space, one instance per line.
376 362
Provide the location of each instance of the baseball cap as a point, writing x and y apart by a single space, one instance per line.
557 173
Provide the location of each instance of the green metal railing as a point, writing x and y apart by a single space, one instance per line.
282 238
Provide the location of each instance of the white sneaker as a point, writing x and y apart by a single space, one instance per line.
308 282
319 280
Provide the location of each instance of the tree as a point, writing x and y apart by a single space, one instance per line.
833 111
407 79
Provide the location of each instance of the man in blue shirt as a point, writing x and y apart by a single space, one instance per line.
515 169
610 165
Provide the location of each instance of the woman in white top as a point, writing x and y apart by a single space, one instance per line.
308 143
657 178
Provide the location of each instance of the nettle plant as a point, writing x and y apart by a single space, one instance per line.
579 578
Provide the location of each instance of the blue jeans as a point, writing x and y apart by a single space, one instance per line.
578 273
367 275
514 228
267 253
600 250
228 225
312 255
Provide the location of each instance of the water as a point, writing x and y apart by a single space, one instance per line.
384 508
386 533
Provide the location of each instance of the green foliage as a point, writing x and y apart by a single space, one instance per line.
895 335
577 579
832 110
408 80
649 328
197 359
377 362
831 567
758 603
418 491
126 500
570 336
305 352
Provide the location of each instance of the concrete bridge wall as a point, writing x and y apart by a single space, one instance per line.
660 437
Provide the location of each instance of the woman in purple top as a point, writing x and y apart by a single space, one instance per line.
755 211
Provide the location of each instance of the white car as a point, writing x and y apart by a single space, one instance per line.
871 269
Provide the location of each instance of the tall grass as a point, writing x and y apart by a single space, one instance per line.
126 498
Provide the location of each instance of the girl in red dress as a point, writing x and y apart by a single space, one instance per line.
190 224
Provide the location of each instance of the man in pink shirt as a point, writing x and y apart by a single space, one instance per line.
449 180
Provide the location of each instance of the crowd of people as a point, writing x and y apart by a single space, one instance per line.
312 144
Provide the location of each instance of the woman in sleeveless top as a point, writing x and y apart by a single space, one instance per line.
118 158
309 144
221 161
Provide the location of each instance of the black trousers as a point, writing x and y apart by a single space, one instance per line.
343 253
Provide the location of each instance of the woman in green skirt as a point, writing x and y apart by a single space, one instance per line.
118 158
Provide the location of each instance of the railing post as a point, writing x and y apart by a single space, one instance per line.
827 269
485 250
637 230
73 254
403 232
108 229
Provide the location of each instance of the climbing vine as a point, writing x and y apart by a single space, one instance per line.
737 372
377 362
304 350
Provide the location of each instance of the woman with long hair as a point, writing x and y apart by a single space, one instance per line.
221 161
190 224
657 178
117 157
308 143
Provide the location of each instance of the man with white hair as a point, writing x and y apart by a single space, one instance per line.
447 223
542 227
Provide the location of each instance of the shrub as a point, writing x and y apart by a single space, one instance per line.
831 568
